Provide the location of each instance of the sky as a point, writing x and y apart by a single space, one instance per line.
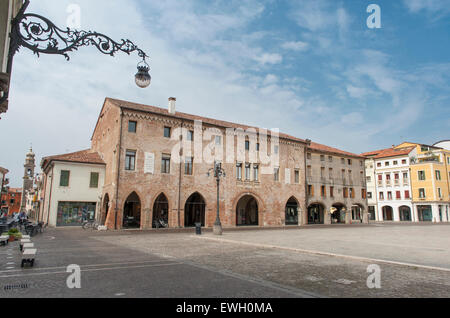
312 69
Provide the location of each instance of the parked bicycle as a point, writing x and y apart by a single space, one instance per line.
90 225
160 223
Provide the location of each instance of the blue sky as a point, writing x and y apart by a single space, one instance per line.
313 69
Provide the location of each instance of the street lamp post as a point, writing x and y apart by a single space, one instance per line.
218 173
42 36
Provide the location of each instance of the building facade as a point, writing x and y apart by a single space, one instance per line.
8 10
10 201
3 181
147 180
71 188
336 187
430 182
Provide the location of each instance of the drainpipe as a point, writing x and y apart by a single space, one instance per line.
50 197
116 208
179 176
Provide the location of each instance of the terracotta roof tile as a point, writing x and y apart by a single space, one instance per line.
84 156
323 148
391 152
180 115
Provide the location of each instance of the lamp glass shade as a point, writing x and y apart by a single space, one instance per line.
143 78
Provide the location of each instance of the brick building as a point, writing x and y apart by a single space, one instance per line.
153 181
10 201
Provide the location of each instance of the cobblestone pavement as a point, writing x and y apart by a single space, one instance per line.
246 263
274 259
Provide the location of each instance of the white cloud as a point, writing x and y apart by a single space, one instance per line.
298 46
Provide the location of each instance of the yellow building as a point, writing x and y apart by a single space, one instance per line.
429 170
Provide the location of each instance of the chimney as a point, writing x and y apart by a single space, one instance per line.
172 108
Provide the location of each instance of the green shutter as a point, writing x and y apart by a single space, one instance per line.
94 180
64 181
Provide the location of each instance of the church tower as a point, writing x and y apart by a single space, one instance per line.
28 178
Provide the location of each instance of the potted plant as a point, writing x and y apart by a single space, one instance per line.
14 234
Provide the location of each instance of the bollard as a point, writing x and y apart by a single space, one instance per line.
198 228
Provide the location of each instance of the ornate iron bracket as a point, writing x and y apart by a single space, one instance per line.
42 36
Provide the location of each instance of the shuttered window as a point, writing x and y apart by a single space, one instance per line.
65 176
94 180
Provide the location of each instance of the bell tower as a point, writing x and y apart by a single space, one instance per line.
28 178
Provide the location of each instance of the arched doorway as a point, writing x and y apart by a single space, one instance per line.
388 213
132 212
292 212
338 213
160 212
316 214
194 210
247 211
105 209
405 213
357 213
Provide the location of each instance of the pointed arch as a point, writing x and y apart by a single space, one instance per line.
194 210
132 211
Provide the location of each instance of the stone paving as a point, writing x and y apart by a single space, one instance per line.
246 263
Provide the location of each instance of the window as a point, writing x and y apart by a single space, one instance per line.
424 149
297 176
188 165
323 191
322 158
349 175
332 192
352 193
361 163
310 190
388 177
389 195
404 162
309 171
405 176
167 132
422 193
64 180
165 164
11 201
395 162
308 155
439 193
369 195
407 194
421 175
277 174
381 195
239 171
94 180
276 149
247 145
380 177
247 171
257 147
130 160
438 175
397 176
398 195
190 135
132 125
256 173
218 140
386 164
345 192
330 158
378 164
349 162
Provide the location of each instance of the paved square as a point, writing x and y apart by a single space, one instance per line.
318 261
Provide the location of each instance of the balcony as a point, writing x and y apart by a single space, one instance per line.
388 183
380 183
396 182
405 182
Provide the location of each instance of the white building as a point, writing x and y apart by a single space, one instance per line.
443 144
390 184
372 200
72 188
